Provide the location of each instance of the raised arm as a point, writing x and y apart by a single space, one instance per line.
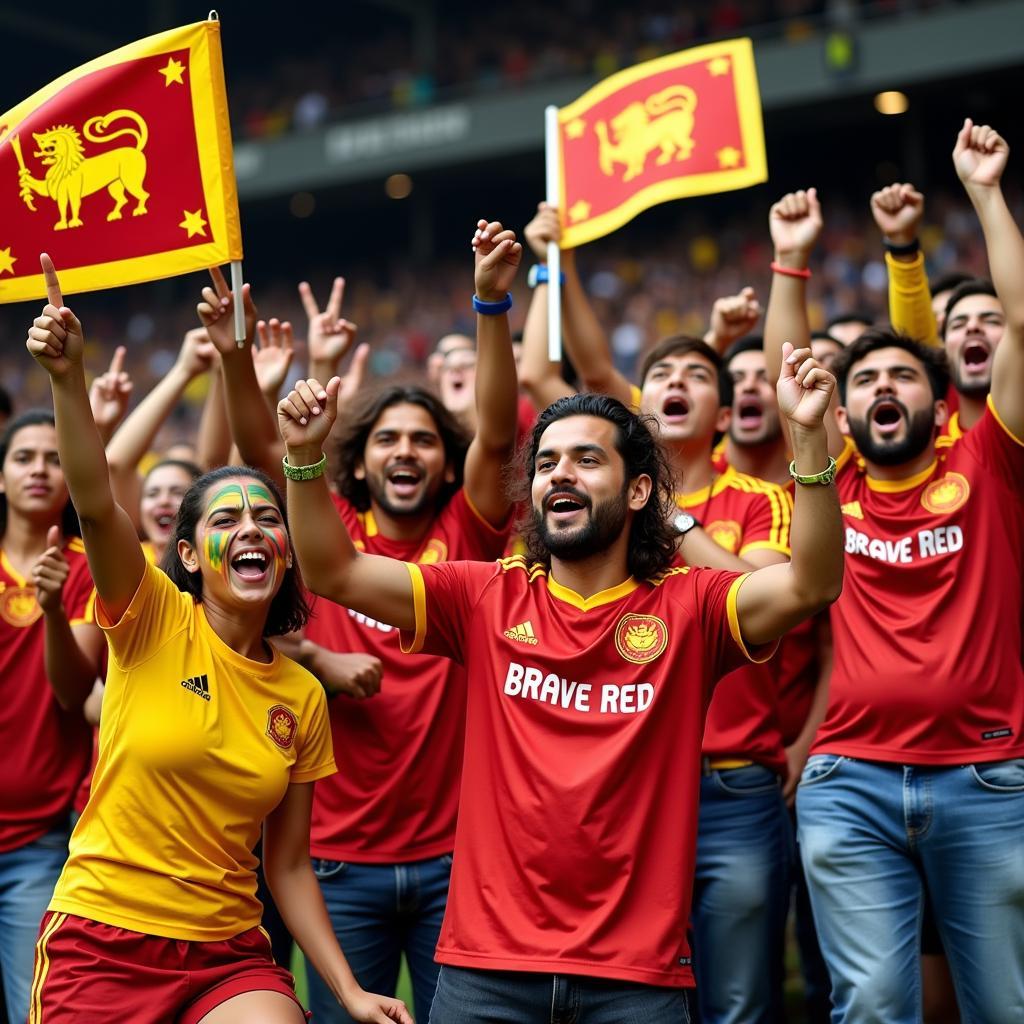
795 223
109 395
330 336
135 435
540 378
111 543
898 210
252 424
213 441
331 566
497 255
980 158
774 599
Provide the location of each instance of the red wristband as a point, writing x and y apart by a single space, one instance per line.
778 268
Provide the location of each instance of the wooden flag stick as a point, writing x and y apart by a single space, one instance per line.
551 165
236 292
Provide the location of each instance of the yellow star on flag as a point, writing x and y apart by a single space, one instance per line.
193 223
575 128
729 157
580 210
7 261
718 67
173 72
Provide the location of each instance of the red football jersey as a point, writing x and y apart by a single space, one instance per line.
46 750
577 824
927 630
742 514
399 754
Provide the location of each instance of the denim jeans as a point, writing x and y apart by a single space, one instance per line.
380 911
27 878
741 895
874 838
469 996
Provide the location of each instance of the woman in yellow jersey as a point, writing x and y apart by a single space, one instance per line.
207 732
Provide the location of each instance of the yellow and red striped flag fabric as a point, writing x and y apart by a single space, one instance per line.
121 169
682 125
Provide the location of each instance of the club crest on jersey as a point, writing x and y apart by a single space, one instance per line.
946 494
726 533
19 607
282 725
435 551
641 638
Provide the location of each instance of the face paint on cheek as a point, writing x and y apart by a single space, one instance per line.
216 544
279 545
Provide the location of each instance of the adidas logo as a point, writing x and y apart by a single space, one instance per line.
852 509
199 685
523 633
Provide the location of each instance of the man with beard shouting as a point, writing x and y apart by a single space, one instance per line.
916 779
590 667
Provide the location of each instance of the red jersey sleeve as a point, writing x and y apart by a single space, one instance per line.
445 596
461 519
157 612
767 519
994 447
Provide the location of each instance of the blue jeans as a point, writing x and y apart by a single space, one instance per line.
874 838
27 878
466 996
741 895
380 911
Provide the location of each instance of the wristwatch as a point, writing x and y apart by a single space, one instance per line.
825 477
684 523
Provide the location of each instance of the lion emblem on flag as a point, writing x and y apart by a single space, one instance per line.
663 122
71 175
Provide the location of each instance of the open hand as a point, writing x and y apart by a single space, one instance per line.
272 355
805 388
980 155
55 338
795 223
898 210
50 573
217 313
497 256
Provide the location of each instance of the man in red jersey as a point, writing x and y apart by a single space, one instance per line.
411 486
916 779
590 670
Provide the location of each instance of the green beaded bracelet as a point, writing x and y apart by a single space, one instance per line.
304 472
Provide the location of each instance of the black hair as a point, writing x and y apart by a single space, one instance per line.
289 609
354 431
947 282
652 535
851 316
681 345
825 336
6 406
933 359
750 343
69 525
194 471
972 286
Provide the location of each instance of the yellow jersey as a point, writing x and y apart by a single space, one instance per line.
197 746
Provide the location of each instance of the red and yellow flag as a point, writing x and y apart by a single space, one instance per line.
121 169
682 125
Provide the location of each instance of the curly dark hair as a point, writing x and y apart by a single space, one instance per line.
931 358
69 525
354 431
290 608
652 535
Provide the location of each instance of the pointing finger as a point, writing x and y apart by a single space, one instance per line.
308 300
117 363
52 284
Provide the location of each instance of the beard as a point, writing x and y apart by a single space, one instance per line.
919 434
604 524
973 388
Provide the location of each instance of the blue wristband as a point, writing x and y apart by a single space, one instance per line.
493 308
539 275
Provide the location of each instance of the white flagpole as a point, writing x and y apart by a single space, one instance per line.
551 165
236 293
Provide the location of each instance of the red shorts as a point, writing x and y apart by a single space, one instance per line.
88 973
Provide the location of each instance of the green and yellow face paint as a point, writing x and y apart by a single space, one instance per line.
230 503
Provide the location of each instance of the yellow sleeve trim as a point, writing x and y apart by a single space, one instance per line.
419 602
999 419
764 652
321 771
849 450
